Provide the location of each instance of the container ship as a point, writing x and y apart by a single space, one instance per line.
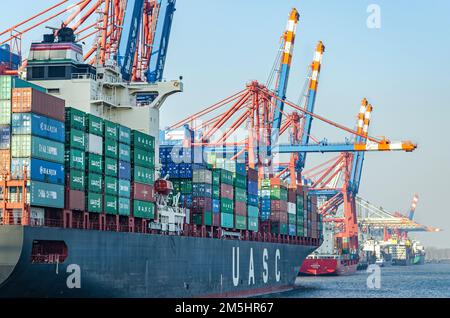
95 202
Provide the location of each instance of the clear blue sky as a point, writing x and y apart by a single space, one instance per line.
403 68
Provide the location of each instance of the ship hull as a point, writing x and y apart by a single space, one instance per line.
328 267
132 265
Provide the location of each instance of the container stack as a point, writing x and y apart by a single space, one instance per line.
176 162
37 143
75 159
143 176
5 125
252 200
202 197
240 194
278 207
124 168
111 202
226 194
97 165
264 196
292 212
300 207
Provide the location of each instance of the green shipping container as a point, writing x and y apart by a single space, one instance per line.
74 159
216 192
110 167
143 175
282 229
124 206
27 146
76 139
110 204
75 118
278 194
94 202
124 135
111 130
94 125
143 158
145 210
142 141
5 112
300 230
8 82
240 181
253 224
227 220
76 180
111 186
216 177
292 219
265 183
225 176
124 188
240 195
94 163
46 195
124 152
111 148
252 211
94 183
226 206
241 222
199 218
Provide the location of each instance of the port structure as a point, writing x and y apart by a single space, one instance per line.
268 115
376 219
134 33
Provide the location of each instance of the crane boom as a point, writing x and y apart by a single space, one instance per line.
161 42
130 34
289 40
312 93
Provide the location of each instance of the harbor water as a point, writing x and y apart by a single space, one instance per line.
422 281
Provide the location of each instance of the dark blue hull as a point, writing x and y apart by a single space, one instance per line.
115 264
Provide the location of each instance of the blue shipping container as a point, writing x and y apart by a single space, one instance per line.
38 170
37 125
201 190
252 199
124 170
215 206
292 229
5 137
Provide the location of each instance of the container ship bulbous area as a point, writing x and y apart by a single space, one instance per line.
58 262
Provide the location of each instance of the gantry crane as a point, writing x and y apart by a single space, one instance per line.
132 33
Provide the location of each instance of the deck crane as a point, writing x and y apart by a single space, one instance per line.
131 33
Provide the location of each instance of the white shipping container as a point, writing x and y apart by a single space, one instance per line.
292 208
37 216
95 144
202 176
265 193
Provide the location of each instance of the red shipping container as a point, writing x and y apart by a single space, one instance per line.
252 174
75 200
5 161
216 219
278 205
143 192
226 191
240 208
26 100
292 196
279 216
202 202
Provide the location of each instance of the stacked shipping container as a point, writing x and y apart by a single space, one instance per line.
37 147
252 200
143 175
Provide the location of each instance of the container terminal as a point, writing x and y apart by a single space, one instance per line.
195 209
